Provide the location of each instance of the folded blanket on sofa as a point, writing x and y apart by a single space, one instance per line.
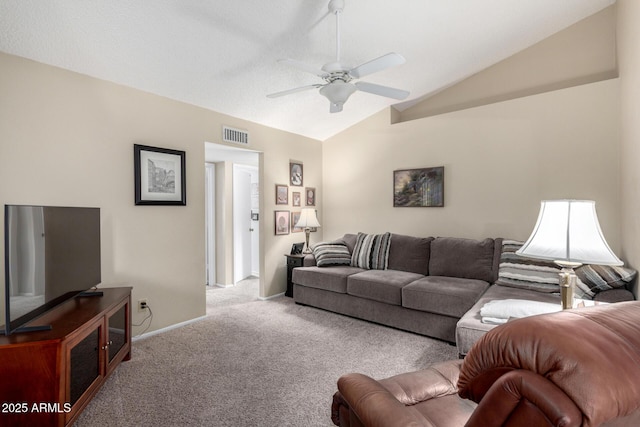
499 311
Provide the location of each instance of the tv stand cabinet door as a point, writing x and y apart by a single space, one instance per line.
29 376
85 366
118 334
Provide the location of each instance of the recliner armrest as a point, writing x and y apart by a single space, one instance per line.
389 401
374 406
438 380
522 397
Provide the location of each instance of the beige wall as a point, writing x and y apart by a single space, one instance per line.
582 53
67 139
629 63
500 161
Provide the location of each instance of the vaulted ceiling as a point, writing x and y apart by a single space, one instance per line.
222 54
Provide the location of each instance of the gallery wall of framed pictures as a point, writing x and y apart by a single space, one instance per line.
295 195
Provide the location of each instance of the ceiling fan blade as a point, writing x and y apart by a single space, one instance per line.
304 67
335 108
386 91
295 90
386 61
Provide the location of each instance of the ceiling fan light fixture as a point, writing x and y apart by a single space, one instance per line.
337 75
337 92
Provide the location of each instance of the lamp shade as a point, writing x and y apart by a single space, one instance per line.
307 218
569 231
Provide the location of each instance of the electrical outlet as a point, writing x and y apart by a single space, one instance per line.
142 304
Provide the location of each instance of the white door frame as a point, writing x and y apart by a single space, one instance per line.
210 223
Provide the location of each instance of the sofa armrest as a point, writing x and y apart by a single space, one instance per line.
522 397
614 295
309 261
369 404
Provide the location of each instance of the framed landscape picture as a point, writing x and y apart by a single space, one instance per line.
159 175
281 220
418 187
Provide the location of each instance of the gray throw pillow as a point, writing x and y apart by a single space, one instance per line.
331 253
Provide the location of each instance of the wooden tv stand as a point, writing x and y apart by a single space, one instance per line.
49 377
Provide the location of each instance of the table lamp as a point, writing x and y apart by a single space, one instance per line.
568 233
307 220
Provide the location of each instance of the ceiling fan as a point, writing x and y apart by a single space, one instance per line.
338 76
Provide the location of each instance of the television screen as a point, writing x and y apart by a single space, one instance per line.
51 254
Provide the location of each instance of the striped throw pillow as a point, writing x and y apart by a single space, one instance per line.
371 251
527 273
331 253
543 276
596 278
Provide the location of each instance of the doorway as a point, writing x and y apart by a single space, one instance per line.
232 203
246 227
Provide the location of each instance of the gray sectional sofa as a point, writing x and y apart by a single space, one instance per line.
427 286
430 286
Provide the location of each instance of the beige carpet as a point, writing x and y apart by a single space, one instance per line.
252 363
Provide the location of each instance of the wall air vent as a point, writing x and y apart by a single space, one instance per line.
235 136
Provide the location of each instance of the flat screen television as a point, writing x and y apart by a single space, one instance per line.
52 254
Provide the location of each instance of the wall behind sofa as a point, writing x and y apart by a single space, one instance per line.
67 139
500 161
629 60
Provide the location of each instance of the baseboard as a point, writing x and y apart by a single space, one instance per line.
220 285
271 297
168 328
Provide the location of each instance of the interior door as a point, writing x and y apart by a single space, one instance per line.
241 224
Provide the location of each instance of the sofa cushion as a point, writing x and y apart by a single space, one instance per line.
331 253
408 253
349 240
463 258
371 251
450 296
332 279
380 285
470 326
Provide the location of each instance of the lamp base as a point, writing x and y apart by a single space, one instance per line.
307 249
568 280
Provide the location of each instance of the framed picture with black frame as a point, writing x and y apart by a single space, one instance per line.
160 176
296 249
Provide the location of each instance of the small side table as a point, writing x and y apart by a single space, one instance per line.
293 261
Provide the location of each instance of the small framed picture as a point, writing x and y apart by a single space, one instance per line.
159 175
295 174
296 249
295 195
282 194
295 216
281 220
310 195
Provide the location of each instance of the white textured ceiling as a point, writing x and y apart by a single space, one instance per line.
221 54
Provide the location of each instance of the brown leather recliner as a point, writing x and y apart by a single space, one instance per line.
573 368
